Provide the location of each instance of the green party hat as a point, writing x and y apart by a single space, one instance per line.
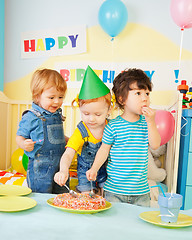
92 86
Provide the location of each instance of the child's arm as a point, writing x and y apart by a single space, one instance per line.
100 158
153 134
26 144
63 174
66 139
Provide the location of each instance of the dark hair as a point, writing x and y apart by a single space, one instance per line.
121 84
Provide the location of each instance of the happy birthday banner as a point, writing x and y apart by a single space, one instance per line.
66 41
163 75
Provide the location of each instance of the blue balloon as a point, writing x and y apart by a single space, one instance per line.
113 17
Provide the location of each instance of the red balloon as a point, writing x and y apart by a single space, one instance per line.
165 124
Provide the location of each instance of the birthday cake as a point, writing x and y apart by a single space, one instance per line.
81 202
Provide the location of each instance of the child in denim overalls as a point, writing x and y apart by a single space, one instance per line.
94 101
40 131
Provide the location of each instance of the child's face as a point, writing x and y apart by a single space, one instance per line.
137 99
50 99
94 114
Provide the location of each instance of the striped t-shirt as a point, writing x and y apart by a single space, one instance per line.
128 158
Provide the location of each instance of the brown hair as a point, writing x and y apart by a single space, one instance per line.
46 78
106 98
121 84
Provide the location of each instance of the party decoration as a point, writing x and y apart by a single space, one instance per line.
16 161
54 42
181 12
113 17
92 86
25 161
165 124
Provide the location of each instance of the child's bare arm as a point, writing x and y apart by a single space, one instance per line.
100 158
66 139
153 134
63 174
26 144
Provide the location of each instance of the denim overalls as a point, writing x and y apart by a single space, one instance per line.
85 161
42 168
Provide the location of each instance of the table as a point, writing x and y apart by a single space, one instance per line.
121 222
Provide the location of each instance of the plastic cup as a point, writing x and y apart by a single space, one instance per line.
170 205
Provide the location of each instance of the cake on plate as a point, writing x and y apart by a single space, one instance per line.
81 202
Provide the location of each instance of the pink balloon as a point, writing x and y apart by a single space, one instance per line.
165 124
181 12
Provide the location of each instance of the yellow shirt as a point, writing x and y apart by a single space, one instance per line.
76 141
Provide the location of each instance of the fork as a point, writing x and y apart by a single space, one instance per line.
71 192
92 194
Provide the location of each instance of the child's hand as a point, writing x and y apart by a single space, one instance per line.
91 175
28 145
149 114
61 178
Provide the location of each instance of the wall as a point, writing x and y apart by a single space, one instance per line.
2 21
148 41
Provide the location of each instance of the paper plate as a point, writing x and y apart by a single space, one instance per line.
14 190
16 203
108 206
154 218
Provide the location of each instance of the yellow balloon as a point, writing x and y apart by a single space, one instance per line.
16 161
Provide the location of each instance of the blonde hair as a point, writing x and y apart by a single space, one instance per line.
80 102
46 78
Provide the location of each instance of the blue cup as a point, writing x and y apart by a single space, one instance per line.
170 205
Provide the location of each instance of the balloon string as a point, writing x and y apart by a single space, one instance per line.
112 52
180 51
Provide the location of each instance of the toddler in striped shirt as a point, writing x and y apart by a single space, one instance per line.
125 141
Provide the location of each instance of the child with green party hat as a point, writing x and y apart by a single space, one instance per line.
94 101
